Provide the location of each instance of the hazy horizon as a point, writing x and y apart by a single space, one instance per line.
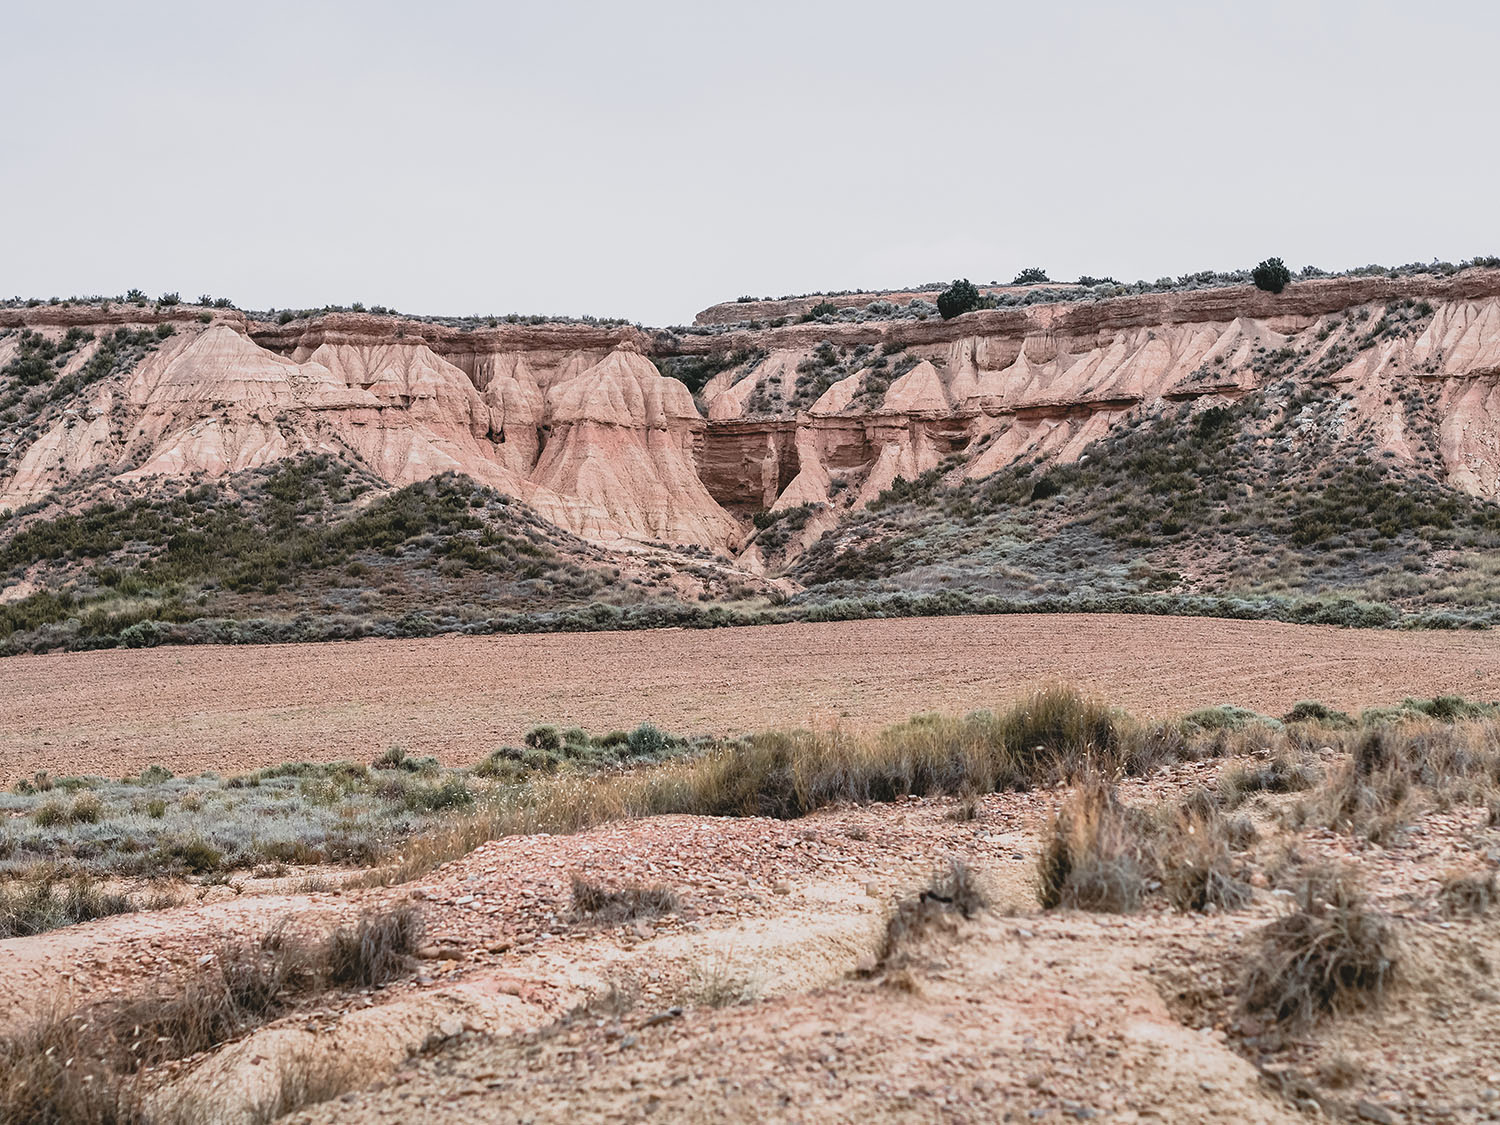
647 161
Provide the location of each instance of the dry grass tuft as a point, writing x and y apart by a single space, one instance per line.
378 950
1286 771
1198 869
1333 954
50 1074
81 1066
596 903
1094 855
35 904
953 890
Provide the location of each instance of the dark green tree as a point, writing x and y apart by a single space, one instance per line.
1272 275
958 298
1032 275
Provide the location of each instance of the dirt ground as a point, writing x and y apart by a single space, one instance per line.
235 708
760 999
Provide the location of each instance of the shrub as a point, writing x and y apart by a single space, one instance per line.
1091 858
545 738
647 741
1311 711
87 809
1271 275
957 299
1332 955
1226 716
1033 275
1057 723
378 950
451 793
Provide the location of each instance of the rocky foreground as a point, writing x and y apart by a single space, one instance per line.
768 977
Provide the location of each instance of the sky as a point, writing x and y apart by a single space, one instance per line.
644 160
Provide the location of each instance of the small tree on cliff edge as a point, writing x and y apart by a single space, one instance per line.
958 298
1272 275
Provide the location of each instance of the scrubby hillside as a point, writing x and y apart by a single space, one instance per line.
309 549
1329 452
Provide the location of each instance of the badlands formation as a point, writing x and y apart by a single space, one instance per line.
578 420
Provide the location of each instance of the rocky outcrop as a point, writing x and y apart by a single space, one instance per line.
577 420
620 458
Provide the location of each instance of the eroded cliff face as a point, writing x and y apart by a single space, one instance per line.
577 420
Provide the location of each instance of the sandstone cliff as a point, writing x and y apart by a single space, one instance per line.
576 420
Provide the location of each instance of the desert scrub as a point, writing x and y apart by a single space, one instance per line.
157 824
84 1066
548 749
1333 954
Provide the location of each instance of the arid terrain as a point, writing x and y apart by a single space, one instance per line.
236 708
1044 911
188 474
1083 704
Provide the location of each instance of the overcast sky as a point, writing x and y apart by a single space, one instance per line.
647 159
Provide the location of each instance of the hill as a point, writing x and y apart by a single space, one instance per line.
1331 452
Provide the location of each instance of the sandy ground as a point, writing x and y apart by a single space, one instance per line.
233 708
1018 1015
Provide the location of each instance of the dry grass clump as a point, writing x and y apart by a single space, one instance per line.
1394 769
954 890
1333 954
1467 893
81 1066
35 904
1101 855
1096 855
1198 872
596 903
50 1074
1286 770
379 949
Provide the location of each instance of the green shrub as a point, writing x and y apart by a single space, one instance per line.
957 299
1271 275
1311 711
544 738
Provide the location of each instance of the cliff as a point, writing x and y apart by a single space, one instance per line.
579 422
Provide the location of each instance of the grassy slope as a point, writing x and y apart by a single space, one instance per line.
1251 499
302 539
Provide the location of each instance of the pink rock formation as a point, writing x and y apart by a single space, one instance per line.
577 421
619 461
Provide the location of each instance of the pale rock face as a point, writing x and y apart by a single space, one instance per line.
584 428
621 447
919 390
836 399
619 460
810 485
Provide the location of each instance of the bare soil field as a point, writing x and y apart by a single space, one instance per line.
235 708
